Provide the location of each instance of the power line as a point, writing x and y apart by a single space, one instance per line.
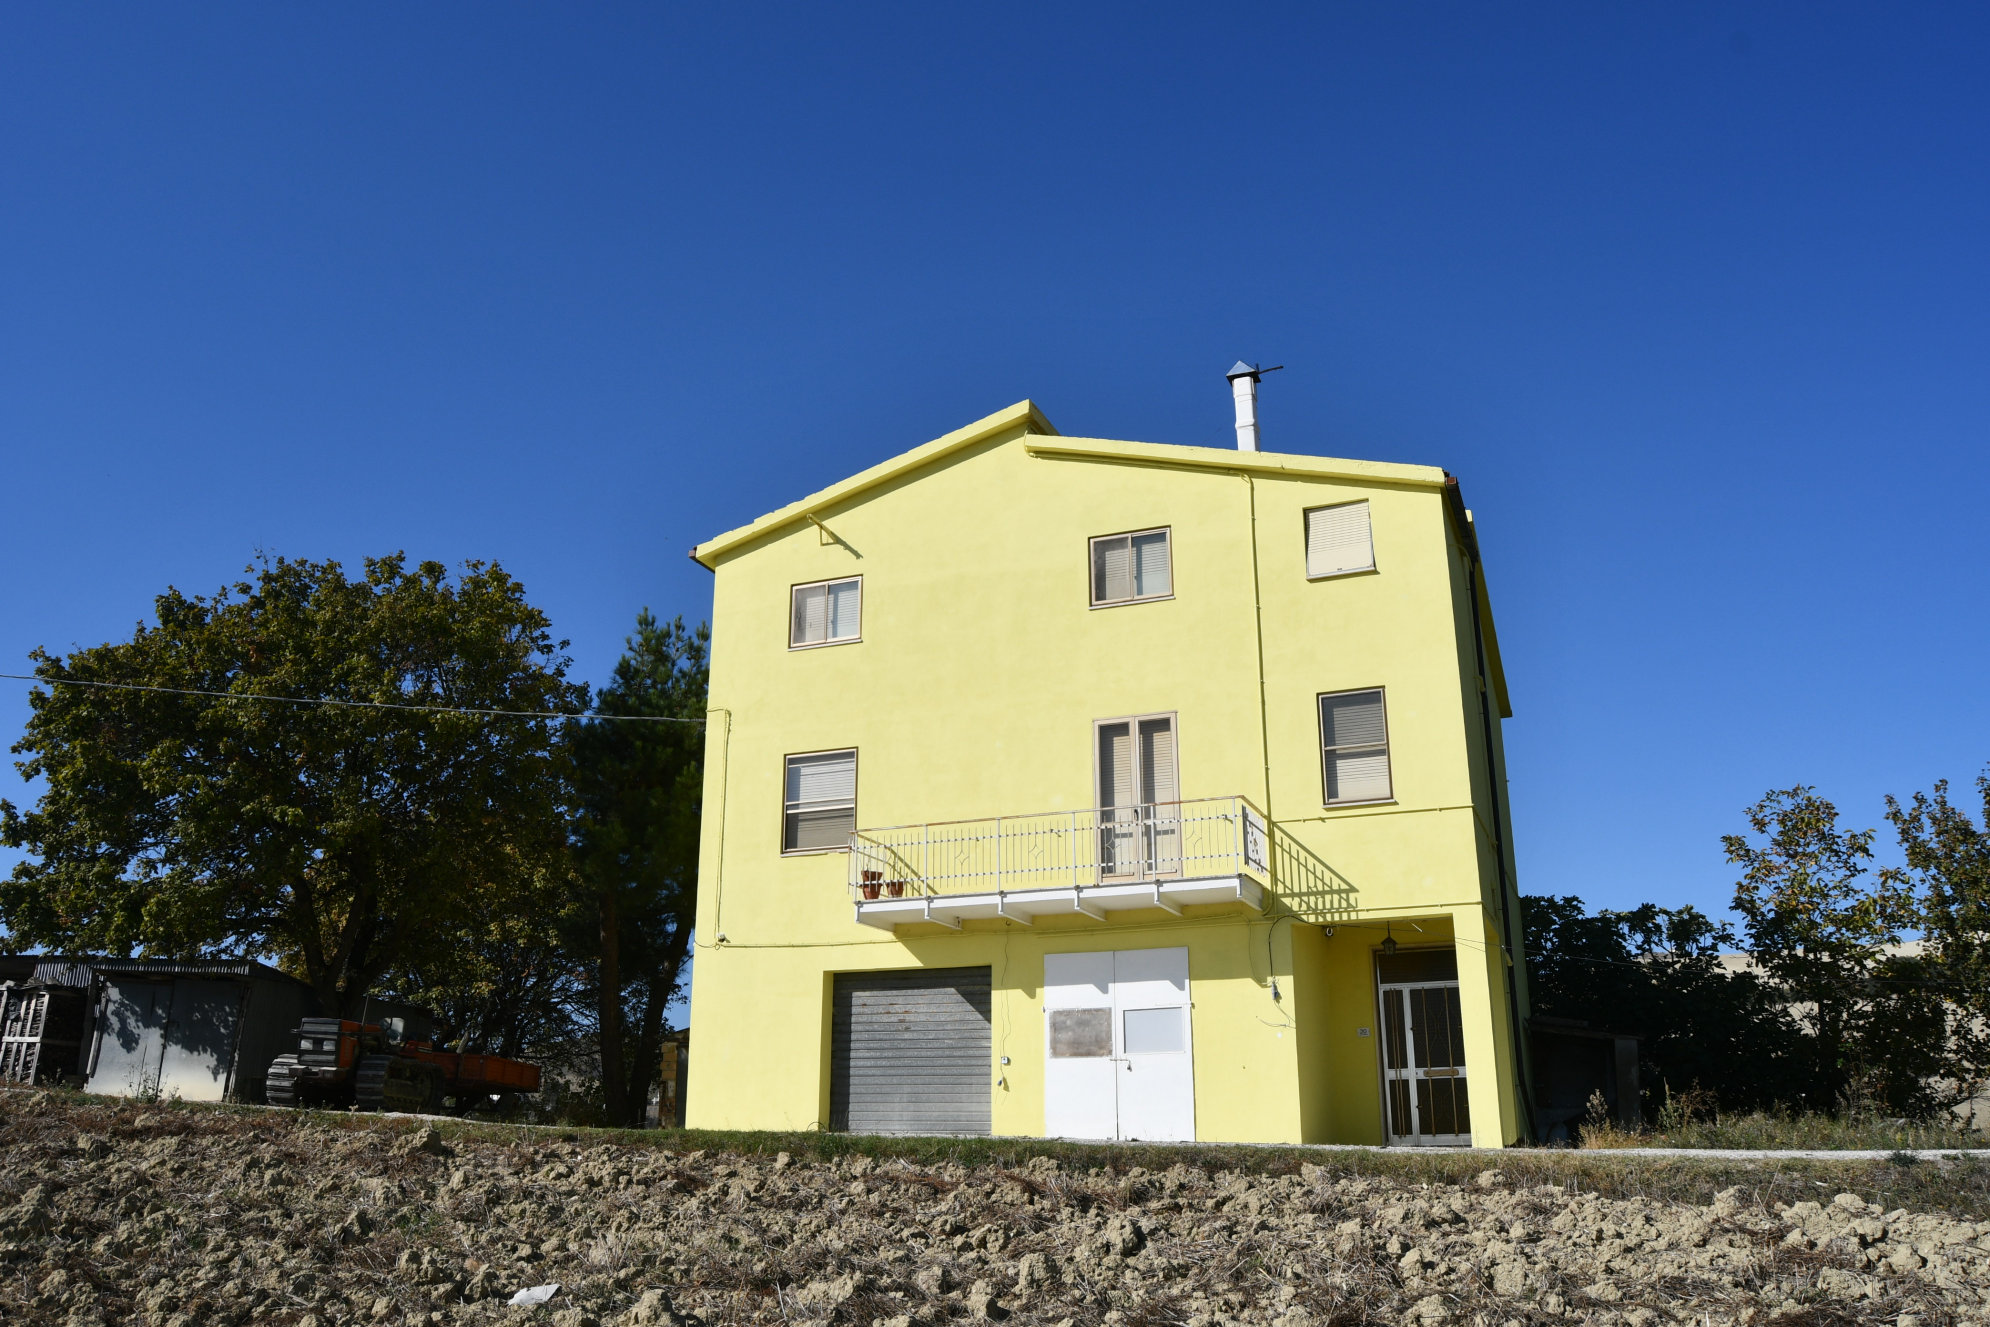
351 704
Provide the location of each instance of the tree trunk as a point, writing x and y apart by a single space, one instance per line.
645 1054
614 1086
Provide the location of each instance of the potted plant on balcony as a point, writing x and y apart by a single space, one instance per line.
894 889
869 884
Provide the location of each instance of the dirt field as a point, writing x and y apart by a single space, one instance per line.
182 1216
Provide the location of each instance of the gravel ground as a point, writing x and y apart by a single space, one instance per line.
181 1217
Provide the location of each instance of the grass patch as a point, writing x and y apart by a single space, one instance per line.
1688 1120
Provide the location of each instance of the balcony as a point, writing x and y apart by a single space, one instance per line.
1167 855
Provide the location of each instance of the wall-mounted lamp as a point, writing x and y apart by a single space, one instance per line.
1388 942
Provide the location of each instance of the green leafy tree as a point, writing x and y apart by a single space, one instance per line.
1948 863
638 791
351 842
1819 923
507 983
1657 973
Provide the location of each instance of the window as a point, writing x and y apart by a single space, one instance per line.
1154 1031
826 613
1354 741
820 804
1139 797
1126 567
1338 540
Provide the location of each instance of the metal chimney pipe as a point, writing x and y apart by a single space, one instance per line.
1244 387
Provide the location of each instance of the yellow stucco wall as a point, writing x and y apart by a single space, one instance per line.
981 670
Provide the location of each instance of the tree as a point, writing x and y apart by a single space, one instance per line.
1948 863
350 841
638 791
507 983
1656 972
1820 929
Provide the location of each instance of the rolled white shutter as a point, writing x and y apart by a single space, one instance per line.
1358 776
1116 765
811 616
1157 761
1354 719
1152 574
816 780
821 797
1355 736
1112 569
1338 539
845 616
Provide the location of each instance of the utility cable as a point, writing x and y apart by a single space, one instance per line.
350 704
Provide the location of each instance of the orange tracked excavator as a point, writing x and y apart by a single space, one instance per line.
339 1062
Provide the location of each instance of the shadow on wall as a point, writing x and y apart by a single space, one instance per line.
1308 885
174 1038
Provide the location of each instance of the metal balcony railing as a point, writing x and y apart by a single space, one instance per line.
1158 841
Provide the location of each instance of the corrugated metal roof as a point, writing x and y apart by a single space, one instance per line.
62 972
191 967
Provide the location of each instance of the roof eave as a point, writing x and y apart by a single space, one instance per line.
1023 414
1288 465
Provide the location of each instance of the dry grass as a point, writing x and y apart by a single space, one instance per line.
1689 1120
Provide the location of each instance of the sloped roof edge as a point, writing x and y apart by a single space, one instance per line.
1223 458
1023 414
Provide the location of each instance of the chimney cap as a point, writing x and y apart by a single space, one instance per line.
1251 371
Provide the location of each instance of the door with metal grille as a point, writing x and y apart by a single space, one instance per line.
1423 1046
911 1052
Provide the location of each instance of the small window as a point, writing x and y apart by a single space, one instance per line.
1126 567
826 613
820 807
1338 540
1154 1031
1354 741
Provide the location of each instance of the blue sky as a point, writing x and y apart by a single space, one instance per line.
1694 299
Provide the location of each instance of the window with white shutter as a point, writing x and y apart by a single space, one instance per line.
1128 567
1354 745
819 808
826 613
1338 540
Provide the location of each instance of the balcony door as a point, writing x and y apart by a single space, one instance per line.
1139 798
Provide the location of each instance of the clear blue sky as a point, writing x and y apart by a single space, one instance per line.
1695 301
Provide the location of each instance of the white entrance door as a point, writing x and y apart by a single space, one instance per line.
1423 1064
1118 1059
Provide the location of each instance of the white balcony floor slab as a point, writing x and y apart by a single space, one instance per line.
1026 905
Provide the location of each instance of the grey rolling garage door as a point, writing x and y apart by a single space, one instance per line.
911 1052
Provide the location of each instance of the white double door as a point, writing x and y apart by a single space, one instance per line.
1118 1058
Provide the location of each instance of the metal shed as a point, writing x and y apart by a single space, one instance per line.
199 1030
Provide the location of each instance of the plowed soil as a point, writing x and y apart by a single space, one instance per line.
182 1217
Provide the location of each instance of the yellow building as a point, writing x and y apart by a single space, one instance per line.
1108 789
